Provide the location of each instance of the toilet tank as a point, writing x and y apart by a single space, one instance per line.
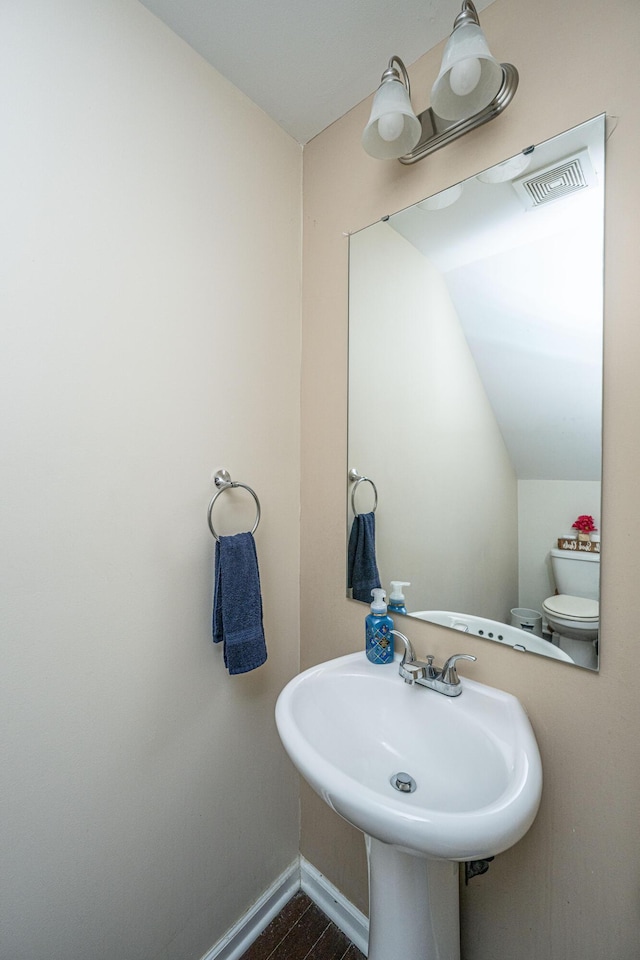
576 574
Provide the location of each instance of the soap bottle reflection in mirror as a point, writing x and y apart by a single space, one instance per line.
396 597
378 627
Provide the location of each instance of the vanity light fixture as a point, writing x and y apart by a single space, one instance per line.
471 89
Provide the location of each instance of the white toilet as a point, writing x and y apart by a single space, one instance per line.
574 613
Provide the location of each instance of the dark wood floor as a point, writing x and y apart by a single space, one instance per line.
301 931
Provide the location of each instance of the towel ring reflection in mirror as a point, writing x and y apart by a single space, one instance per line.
223 480
356 479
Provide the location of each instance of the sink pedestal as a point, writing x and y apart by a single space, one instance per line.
413 905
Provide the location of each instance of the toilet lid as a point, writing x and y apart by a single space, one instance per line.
572 608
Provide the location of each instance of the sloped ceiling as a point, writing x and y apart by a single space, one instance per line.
306 63
527 285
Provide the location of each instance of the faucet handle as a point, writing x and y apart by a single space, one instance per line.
413 670
449 672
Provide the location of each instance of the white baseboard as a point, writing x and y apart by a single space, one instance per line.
239 938
335 905
300 875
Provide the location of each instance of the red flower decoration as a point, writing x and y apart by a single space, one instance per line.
584 524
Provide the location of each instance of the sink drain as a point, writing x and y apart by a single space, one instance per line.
403 782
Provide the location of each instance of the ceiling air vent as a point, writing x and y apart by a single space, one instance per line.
555 182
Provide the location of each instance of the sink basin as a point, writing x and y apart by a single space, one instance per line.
349 726
494 630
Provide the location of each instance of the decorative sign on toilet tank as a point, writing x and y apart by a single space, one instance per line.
584 546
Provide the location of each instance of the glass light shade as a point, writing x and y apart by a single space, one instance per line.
391 104
467 66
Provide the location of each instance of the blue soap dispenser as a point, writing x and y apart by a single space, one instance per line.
396 597
378 636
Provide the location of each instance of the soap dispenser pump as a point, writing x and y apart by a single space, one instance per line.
378 627
396 597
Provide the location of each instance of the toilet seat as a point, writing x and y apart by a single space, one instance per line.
578 609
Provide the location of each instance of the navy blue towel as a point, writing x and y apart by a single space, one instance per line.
362 572
237 603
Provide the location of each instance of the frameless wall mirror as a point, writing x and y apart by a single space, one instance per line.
475 400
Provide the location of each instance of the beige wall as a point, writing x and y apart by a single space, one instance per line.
416 399
569 890
150 317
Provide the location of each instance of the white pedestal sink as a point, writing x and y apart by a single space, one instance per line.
349 726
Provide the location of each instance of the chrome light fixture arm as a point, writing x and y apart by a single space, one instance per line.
391 73
468 14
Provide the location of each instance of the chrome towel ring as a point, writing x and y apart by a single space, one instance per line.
223 480
356 479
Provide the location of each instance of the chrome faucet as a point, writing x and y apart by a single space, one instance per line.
445 680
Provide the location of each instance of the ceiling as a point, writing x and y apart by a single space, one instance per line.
307 63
